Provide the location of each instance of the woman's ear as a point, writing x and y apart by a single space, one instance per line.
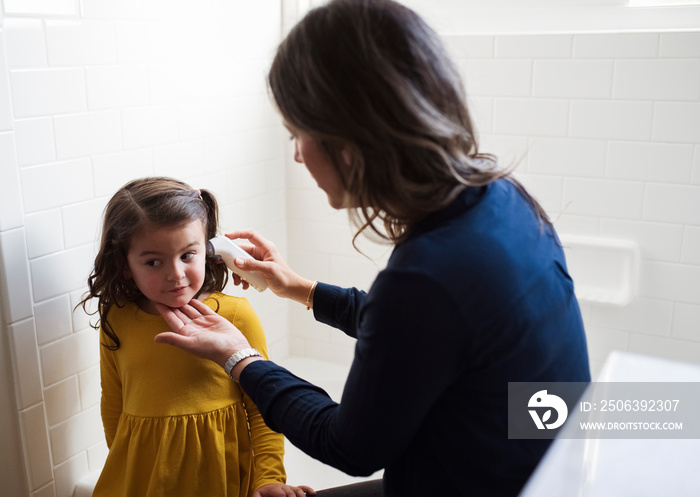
347 153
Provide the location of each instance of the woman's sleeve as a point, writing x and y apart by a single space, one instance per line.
111 400
407 353
338 307
268 446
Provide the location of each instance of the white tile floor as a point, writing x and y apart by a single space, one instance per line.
302 469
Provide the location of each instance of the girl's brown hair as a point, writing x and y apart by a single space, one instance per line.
372 78
141 204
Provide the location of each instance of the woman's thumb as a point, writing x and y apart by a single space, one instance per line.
167 337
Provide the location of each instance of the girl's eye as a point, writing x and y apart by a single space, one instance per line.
154 263
187 256
292 138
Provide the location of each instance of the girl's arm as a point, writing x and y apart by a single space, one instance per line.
267 445
111 402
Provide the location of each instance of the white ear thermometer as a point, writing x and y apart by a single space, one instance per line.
227 250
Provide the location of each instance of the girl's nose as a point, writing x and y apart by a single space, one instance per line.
176 272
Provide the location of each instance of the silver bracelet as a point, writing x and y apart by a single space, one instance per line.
238 357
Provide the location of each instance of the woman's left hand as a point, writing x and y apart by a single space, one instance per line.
200 331
279 490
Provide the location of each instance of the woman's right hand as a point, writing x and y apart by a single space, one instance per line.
269 263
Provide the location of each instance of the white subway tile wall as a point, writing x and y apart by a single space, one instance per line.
14 274
44 232
677 122
67 473
62 400
82 43
35 141
10 195
48 490
35 439
76 435
680 44
25 42
534 46
82 222
572 79
53 319
616 46
5 97
611 119
48 91
111 170
691 246
603 128
24 348
41 7
52 185
94 93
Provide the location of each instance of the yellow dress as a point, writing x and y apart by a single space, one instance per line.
177 425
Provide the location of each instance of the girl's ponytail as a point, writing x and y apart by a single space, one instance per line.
216 275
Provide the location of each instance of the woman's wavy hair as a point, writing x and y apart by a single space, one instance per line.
146 203
370 77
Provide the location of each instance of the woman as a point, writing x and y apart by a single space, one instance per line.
476 292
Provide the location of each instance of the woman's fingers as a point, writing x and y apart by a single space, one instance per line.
177 319
248 234
202 308
173 321
261 244
172 338
184 318
239 282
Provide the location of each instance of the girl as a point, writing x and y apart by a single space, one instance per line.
174 424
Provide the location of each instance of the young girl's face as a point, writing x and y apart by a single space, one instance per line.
167 264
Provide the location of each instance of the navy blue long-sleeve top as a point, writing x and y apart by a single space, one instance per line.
477 296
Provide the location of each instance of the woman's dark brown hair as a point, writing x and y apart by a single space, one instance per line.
372 78
146 203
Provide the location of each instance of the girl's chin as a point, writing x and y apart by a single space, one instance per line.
178 301
149 305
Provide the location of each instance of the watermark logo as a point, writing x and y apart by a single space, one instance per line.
605 410
542 399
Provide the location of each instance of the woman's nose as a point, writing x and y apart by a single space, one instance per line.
297 156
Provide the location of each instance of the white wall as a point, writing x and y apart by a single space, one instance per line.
93 93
